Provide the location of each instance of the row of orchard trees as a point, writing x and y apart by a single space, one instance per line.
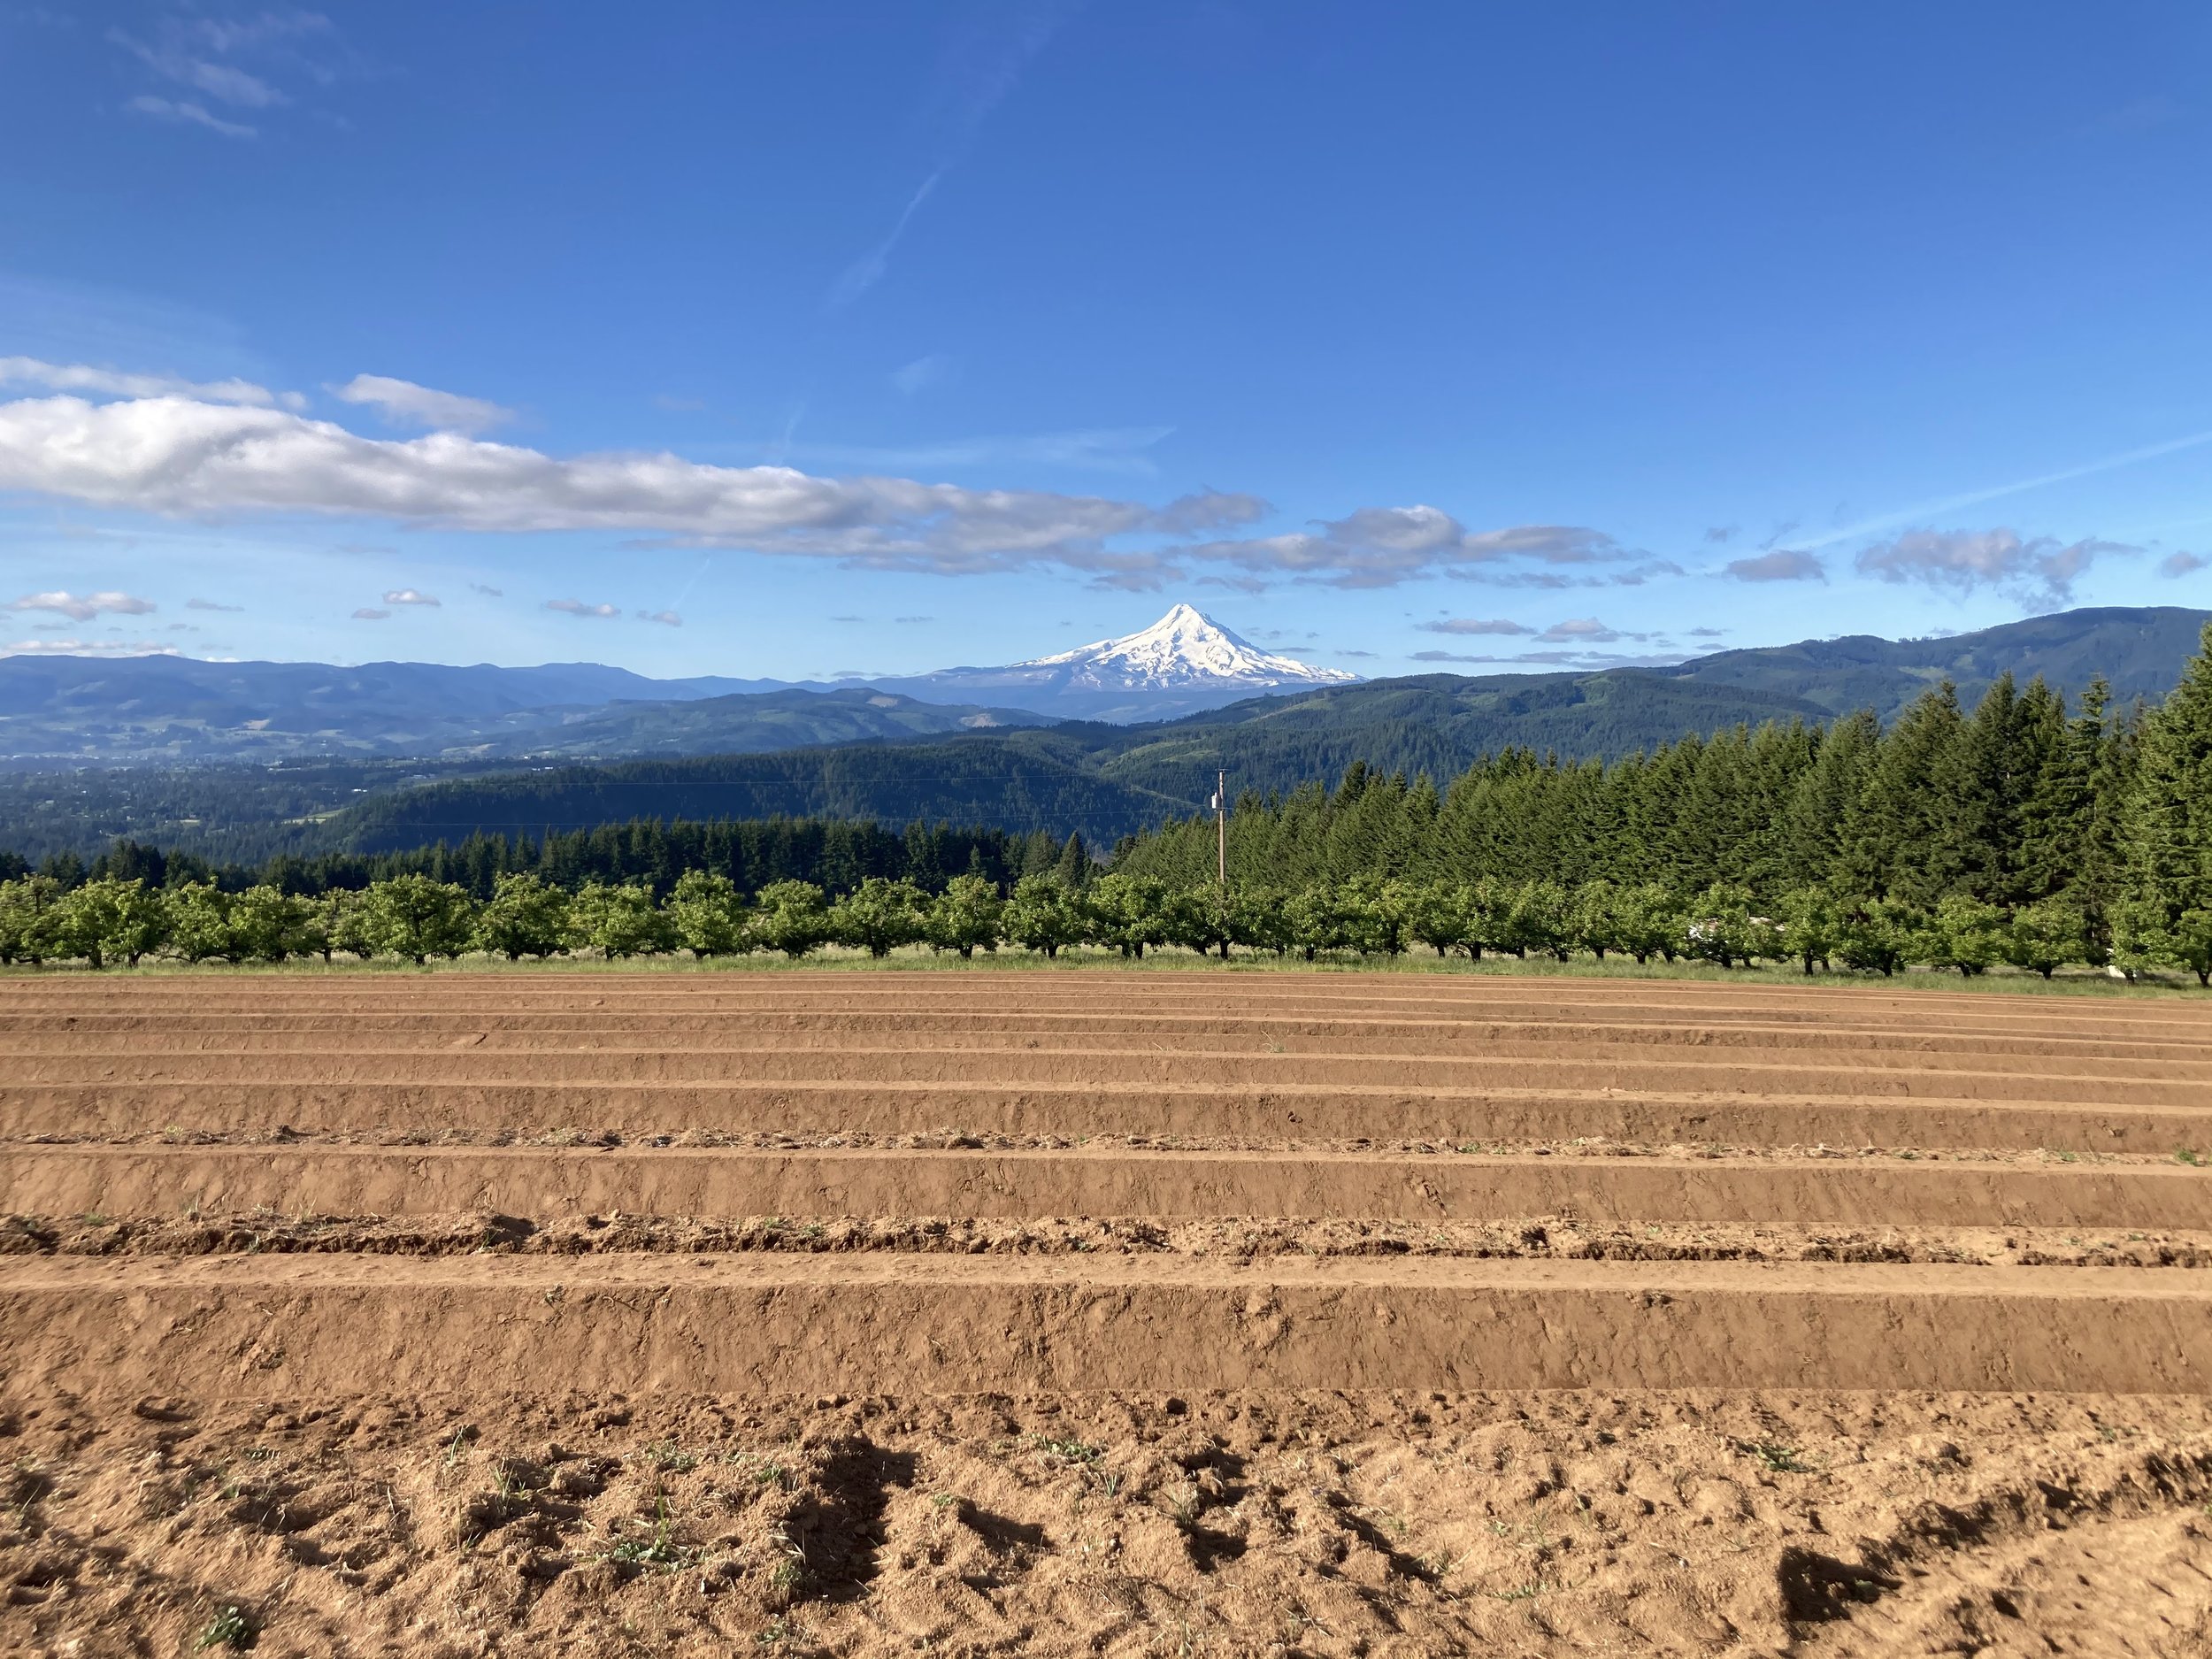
110 920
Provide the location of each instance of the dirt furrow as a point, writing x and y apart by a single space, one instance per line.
1076 1109
256 1326
545 1183
2166 1082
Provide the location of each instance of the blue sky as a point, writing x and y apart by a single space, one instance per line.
796 340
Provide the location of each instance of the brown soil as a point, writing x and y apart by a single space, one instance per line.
471 1315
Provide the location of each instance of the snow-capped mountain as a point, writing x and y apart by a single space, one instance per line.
1182 664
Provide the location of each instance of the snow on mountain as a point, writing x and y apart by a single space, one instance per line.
1184 662
1184 647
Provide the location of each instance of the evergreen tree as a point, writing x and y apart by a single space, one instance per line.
2168 820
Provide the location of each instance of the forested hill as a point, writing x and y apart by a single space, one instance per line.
1103 781
1018 781
2138 650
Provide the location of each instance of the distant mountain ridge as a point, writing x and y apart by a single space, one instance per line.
1184 662
78 710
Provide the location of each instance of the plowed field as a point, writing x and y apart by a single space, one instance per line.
1073 1313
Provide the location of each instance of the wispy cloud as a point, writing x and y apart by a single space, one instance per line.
209 604
1475 625
84 607
407 405
489 593
1781 565
666 618
2182 564
1381 547
370 614
79 377
232 63
87 648
578 607
1973 498
865 272
185 112
2039 570
409 596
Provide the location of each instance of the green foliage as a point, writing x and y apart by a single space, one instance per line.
1965 933
707 913
1044 914
792 917
523 917
879 915
966 915
416 918
2045 936
270 925
30 919
199 923
1875 935
618 921
1128 911
1721 928
1811 928
109 918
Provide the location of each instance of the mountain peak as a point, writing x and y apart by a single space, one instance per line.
1186 648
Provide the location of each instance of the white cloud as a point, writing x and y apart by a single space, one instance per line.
185 112
77 377
666 618
405 404
2040 569
199 56
178 454
87 648
370 614
1380 547
83 607
1475 625
578 607
226 83
409 596
1782 565
1585 628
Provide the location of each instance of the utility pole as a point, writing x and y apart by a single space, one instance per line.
1221 827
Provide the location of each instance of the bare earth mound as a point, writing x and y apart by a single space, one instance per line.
475 1315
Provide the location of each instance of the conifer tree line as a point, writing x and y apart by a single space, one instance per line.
2024 831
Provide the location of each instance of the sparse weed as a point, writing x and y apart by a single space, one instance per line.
457 1448
659 1550
2190 1156
667 1456
1524 1593
233 1627
1775 1457
1073 1450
